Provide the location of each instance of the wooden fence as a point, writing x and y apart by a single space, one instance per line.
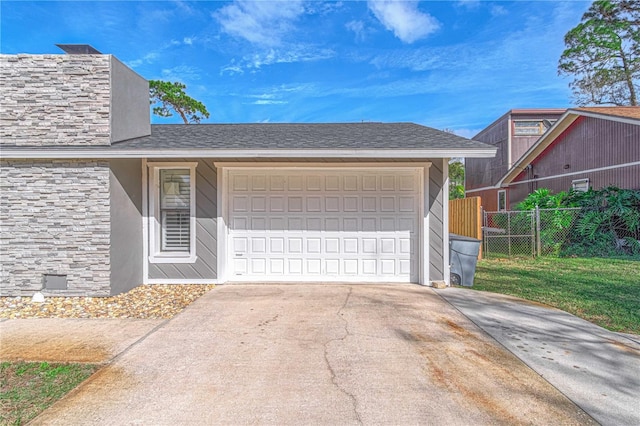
465 218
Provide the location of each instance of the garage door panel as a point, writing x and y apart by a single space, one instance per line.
295 245
276 266
314 266
324 225
277 183
332 245
276 203
314 224
276 245
294 266
295 183
332 267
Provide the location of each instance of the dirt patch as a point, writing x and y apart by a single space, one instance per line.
109 377
625 348
460 331
70 340
61 350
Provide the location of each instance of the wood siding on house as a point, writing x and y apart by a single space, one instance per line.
625 177
482 172
588 144
488 199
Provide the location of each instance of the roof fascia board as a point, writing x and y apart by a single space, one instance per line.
8 153
536 149
603 116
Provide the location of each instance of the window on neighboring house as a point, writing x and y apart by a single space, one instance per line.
581 185
172 192
531 127
502 200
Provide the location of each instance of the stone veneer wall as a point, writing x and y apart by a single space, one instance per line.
55 100
54 217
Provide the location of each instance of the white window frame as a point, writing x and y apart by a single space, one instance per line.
539 127
578 185
502 192
156 255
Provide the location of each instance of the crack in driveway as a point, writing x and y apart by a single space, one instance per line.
334 378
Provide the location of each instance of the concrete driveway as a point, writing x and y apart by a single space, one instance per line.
316 354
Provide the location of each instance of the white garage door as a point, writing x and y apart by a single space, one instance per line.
324 225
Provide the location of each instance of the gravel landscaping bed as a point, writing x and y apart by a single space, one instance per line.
145 302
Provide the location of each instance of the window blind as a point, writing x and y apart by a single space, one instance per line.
175 209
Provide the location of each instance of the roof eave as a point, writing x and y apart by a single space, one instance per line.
18 153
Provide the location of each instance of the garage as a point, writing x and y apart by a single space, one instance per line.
353 224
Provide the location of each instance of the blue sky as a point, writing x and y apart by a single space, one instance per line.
445 64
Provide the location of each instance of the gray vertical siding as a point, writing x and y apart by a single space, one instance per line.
206 231
436 220
125 181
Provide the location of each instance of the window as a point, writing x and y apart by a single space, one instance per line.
531 127
172 205
581 185
502 200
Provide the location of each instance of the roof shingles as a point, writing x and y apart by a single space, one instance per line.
628 112
341 136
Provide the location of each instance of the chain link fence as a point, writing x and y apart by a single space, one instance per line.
527 232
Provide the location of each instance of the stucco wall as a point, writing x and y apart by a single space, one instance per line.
130 113
55 220
126 225
54 100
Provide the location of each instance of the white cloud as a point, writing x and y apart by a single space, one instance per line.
188 40
497 10
358 28
469 4
269 102
146 59
289 54
181 73
404 19
259 22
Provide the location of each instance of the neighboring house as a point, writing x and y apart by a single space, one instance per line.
95 200
512 135
587 148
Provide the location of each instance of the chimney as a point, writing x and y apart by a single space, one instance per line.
78 49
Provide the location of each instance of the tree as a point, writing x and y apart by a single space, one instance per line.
456 180
172 97
603 54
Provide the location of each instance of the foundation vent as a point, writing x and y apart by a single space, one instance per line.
54 282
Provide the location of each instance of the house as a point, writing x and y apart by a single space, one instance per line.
512 135
591 147
95 200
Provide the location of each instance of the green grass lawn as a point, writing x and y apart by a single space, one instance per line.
27 388
603 291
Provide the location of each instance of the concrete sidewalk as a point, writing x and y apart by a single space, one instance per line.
597 369
315 354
